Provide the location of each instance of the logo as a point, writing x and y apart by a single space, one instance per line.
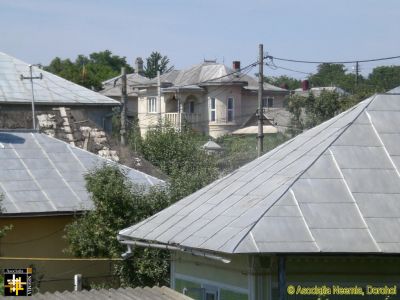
17 282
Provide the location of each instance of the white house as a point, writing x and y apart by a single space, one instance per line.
214 98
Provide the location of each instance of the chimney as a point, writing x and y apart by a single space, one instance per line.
139 66
236 65
305 85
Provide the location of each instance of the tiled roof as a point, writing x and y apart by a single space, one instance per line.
334 188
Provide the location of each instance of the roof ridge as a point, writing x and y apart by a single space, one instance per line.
347 126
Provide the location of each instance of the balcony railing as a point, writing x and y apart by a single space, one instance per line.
177 119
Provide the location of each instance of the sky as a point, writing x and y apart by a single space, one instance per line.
189 31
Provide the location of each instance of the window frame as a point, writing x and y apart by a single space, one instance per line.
266 101
152 105
230 111
213 111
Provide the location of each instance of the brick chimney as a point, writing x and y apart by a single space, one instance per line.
236 65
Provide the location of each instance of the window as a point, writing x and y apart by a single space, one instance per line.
210 292
268 102
229 110
152 104
212 110
191 107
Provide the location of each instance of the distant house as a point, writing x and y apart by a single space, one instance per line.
316 91
43 188
323 209
53 95
112 88
212 97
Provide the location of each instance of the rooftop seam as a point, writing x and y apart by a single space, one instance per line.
355 202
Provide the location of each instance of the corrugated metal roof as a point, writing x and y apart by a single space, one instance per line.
146 293
40 174
209 73
334 188
51 89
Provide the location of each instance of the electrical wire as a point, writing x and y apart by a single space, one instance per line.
330 62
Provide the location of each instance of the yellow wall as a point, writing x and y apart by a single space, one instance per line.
37 239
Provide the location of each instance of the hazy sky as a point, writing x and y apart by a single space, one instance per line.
187 31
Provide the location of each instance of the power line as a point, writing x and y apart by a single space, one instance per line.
274 67
330 62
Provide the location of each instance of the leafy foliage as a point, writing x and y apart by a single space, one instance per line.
178 154
385 78
156 62
284 82
89 71
119 204
7 228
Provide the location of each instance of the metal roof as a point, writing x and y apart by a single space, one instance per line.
51 89
209 73
334 188
112 87
138 293
40 174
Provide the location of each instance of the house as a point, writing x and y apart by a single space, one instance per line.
316 91
43 188
112 88
317 214
53 96
212 97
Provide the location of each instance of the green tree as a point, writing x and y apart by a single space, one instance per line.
178 155
6 228
119 204
89 71
284 81
156 62
384 78
334 75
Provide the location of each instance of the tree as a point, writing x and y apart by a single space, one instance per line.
156 62
284 81
178 155
119 204
89 71
7 228
334 75
384 78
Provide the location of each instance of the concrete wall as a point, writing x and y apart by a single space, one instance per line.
38 242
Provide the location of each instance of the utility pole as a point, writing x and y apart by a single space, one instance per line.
159 93
357 71
260 136
124 99
31 77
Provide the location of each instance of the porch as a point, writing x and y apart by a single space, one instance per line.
177 119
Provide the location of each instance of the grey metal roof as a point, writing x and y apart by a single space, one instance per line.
40 174
112 87
334 188
138 293
209 73
51 89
